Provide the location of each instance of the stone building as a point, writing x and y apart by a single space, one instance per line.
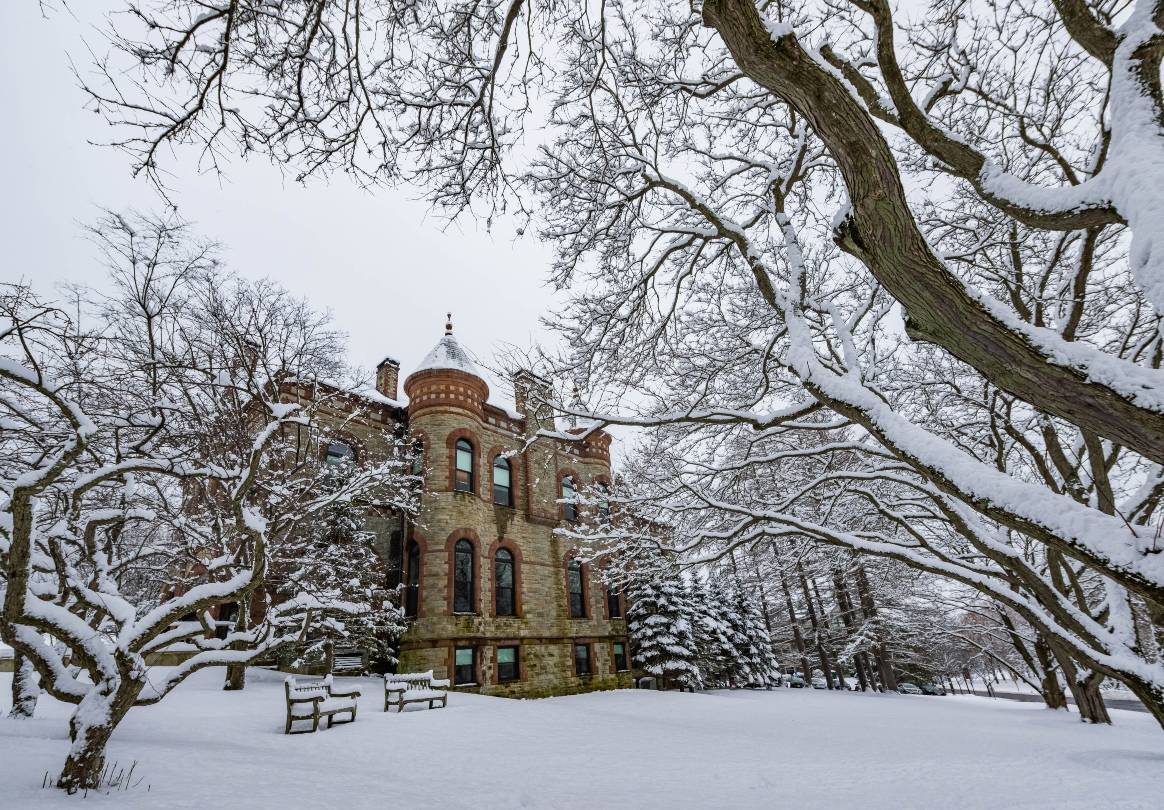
497 601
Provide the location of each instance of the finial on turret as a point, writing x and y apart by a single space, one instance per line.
448 323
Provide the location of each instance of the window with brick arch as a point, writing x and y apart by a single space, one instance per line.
502 482
463 478
505 602
464 576
412 581
569 499
575 590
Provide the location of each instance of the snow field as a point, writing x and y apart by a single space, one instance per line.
202 747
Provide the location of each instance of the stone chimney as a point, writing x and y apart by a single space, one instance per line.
530 395
387 376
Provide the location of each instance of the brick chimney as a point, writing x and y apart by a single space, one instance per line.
387 376
530 395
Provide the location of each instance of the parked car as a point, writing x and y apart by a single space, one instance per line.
932 689
796 681
819 683
908 689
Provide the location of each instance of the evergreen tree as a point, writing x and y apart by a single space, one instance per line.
715 652
658 619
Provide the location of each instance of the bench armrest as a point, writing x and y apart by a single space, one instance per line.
305 698
341 693
395 686
439 683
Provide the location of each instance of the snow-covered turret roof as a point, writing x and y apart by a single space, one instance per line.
448 353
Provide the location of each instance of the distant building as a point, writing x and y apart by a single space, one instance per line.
497 602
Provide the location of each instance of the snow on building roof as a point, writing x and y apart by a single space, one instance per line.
448 353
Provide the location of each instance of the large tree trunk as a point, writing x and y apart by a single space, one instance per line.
1084 688
236 674
1053 694
90 727
25 688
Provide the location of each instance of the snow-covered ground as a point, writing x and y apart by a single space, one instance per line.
202 747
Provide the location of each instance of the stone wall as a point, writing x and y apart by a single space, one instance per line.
543 630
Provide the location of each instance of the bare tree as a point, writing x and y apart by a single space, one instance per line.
129 513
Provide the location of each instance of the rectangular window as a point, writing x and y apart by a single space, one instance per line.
613 604
465 666
575 590
581 659
507 666
620 657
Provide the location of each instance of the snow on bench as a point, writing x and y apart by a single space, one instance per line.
314 700
349 661
414 687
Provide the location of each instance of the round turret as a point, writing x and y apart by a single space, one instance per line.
447 378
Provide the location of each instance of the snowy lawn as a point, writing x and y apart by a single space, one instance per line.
202 747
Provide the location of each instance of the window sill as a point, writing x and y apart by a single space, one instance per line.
474 683
457 613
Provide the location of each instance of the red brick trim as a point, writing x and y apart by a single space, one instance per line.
422 546
586 609
451 548
515 550
475 443
514 475
358 448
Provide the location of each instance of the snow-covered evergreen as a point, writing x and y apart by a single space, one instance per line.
659 621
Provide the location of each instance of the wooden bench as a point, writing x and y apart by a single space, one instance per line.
314 700
414 687
348 661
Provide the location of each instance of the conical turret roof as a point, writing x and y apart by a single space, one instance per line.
449 354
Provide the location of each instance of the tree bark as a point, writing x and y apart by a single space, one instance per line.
797 636
880 651
1053 694
1084 688
236 674
25 688
90 727
825 665
882 232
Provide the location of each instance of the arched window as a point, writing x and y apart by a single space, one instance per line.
412 580
339 453
569 499
504 601
464 462
502 478
575 590
464 575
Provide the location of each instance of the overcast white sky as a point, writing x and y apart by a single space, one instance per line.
385 268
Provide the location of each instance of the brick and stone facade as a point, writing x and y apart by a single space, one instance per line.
448 401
